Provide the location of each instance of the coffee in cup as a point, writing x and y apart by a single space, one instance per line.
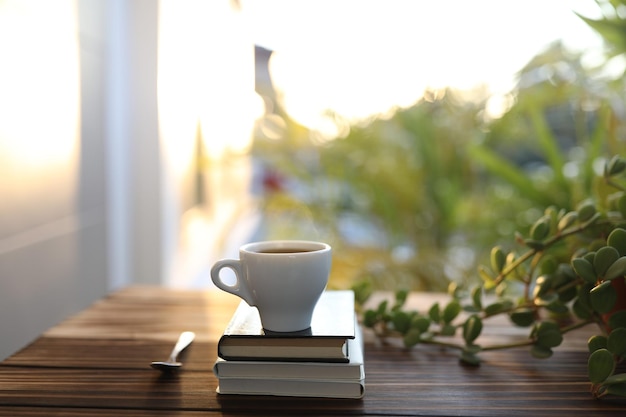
283 279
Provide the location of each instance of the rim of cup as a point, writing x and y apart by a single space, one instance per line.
305 246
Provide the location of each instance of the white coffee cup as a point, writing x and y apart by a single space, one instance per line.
283 279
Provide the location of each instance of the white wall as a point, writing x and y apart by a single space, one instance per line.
52 181
84 217
134 161
206 99
94 198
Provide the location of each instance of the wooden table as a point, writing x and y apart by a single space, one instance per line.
96 363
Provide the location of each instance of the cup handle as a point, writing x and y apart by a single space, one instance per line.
239 289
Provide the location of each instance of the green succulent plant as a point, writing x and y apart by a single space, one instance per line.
570 274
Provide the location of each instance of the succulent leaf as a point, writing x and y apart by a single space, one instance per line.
477 293
540 352
435 313
615 379
617 269
420 323
543 284
540 229
485 275
590 256
547 334
382 307
448 330
523 317
596 342
584 269
621 205
498 307
470 358
617 239
369 318
617 389
584 296
498 259
472 328
605 257
451 311
534 244
600 365
616 342
582 311
556 306
586 210
567 220
550 338
615 166
411 338
617 319
400 297
401 321
603 297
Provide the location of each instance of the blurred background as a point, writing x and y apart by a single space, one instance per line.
140 141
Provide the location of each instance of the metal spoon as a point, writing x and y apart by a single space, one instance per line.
171 363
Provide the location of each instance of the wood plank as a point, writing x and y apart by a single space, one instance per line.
121 354
399 382
151 313
96 363
91 412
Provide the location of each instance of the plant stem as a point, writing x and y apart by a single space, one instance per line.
575 326
528 342
437 342
513 266
549 242
564 330
615 185
508 345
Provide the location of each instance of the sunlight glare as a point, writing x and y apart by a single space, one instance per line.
40 89
202 81
359 58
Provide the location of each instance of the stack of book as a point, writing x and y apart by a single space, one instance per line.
323 361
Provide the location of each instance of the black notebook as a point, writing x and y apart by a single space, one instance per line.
301 379
332 325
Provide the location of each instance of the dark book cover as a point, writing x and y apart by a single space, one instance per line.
326 340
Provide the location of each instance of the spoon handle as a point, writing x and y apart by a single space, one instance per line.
184 340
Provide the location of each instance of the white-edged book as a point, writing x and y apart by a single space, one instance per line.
352 370
300 379
332 325
292 388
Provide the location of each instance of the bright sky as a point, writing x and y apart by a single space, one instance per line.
361 57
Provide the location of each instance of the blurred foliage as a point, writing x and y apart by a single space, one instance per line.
387 193
416 199
612 25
